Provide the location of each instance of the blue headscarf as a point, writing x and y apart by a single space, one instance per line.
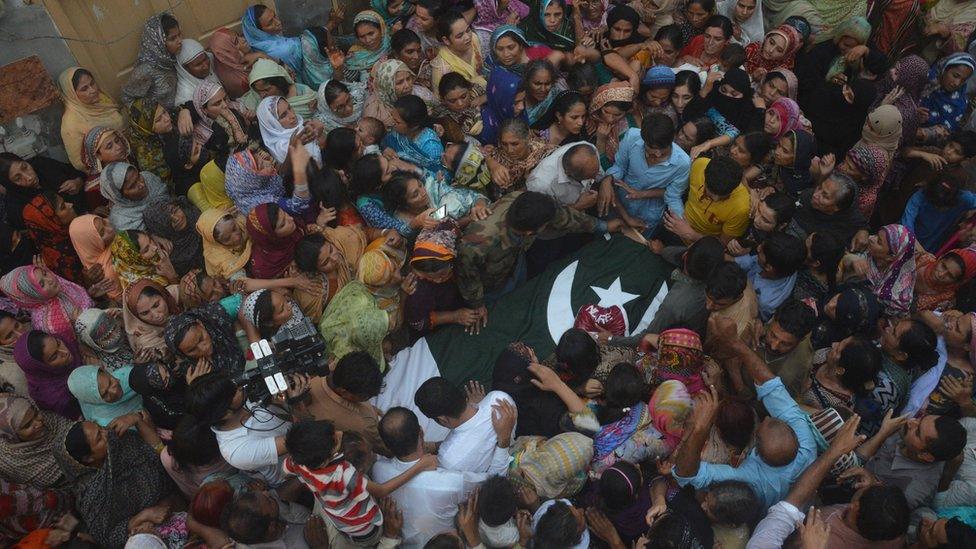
361 59
497 35
285 49
946 108
503 86
83 384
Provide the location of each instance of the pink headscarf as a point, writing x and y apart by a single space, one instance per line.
53 310
788 113
204 127
895 285
669 406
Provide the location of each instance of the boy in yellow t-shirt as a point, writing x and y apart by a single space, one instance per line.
717 205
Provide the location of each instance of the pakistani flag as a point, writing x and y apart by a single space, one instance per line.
606 272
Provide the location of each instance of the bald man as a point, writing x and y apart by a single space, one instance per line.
785 444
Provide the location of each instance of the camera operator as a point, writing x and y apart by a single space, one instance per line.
250 438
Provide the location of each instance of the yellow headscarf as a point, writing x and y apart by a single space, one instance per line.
210 191
219 259
80 117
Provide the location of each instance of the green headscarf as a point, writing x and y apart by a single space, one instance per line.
146 145
563 38
301 102
857 28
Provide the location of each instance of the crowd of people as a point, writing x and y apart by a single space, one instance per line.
803 167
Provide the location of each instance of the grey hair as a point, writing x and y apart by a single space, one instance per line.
517 126
847 191
733 503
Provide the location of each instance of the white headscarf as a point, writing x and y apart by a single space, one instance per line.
357 92
186 82
753 29
275 136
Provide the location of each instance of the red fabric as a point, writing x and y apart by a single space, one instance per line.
594 318
270 254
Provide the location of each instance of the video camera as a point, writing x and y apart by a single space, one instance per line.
295 350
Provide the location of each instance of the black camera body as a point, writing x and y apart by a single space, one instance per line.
299 349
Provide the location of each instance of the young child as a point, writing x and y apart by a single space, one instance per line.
732 57
369 133
346 496
772 271
497 509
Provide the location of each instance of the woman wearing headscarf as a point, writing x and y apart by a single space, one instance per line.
491 14
372 46
891 268
851 40
163 390
791 161
145 329
149 146
92 238
939 278
16 322
393 80
457 56
539 81
542 409
554 468
262 29
105 397
220 126
748 22
561 35
102 147
866 164
226 246
232 62
344 246
730 107
379 270
518 160
154 75
47 218
136 255
210 191
895 24
272 251
188 334
782 116
828 208
776 51
911 75
103 333
607 118
114 478
828 60
950 22
175 220
28 438
838 112
944 99
340 104
23 180
268 79
34 516
278 123
53 302
353 321
194 65
316 66
85 106
851 311
130 192
252 179
47 361
503 90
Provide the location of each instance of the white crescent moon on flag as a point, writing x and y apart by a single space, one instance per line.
560 314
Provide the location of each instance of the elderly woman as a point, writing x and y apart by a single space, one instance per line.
102 335
47 361
29 437
518 151
269 79
194 66
829 208
53 302
85 107
393 81
175 220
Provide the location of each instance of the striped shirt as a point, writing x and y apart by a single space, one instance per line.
341 490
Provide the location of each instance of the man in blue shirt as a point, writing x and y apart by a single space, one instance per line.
650 173
785 444
772 270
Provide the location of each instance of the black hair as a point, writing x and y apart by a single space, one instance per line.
307 252
446 20
193 443
797 21
757 145
279 83
721 22
76 444
327 189
689 79
726 281
150 291
883 513
311 443
244 520
7 314
578 352
672 33
619 486
942 191
949 441
704 129
399 430
497 502
413 110
452 81
847 189
722 175
76 77
703 256
707 5
966 139
444 541
624 388
530 211
167 22
435 7
359 374
827 250
366 175
732 55
35 344
784 252
567 100
210 396
557 527
395 190
403 38
918 343
340 148
7 161
582 75
356 450
264 313
782 205
669 532
861 361
657 131
795 317
439 397
734 503
333 89
535 66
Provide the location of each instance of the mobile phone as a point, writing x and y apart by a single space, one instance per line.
439 213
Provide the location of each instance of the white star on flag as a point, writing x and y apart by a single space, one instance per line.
614 295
